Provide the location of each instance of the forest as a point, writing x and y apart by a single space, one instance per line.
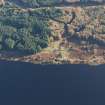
24 30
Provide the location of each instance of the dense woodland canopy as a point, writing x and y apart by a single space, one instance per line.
24 31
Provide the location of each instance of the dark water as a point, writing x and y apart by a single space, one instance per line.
28 84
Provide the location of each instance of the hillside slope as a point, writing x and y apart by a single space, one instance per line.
77 36
80 44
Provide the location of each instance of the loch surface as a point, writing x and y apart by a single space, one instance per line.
29 84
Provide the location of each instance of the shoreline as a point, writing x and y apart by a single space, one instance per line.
55 61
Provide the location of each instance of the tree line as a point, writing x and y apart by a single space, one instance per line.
23 31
